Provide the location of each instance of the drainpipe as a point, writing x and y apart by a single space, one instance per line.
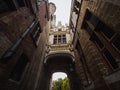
10 52
77 22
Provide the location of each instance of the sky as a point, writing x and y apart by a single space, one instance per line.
58 75
62 14
62 10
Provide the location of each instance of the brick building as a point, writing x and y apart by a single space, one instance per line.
28 57
96 25
23 31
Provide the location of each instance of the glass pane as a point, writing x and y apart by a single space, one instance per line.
59 41
110 58
97 40
88 30
64 40
55 41
94 20
116 43
105 30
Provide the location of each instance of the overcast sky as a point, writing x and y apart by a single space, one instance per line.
58 75
62 10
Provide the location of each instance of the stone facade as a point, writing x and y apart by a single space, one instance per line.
60 38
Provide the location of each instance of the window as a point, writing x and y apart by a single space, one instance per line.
97 41
6 6
36 34
99 25
64 39
20 3
59 39
55 39
106 31
87 15
94 20
76 10
110 59
19 68
88 29
77 3
116 43
51 18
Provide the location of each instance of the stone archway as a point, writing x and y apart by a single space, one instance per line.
60 62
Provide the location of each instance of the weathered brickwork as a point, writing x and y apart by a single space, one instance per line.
42 15
16 22
91 70
107 11
98 68
5 43
12 27
80 69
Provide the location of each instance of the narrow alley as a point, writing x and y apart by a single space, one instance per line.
35 44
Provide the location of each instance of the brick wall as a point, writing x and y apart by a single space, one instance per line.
13 26
107 12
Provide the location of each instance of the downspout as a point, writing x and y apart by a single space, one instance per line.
77 22
9 53
47 9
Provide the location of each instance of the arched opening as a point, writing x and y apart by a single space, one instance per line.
57 75
59 62
59 81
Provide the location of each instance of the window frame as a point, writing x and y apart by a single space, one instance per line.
35 34
117 36
109 61
94 30
59 39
